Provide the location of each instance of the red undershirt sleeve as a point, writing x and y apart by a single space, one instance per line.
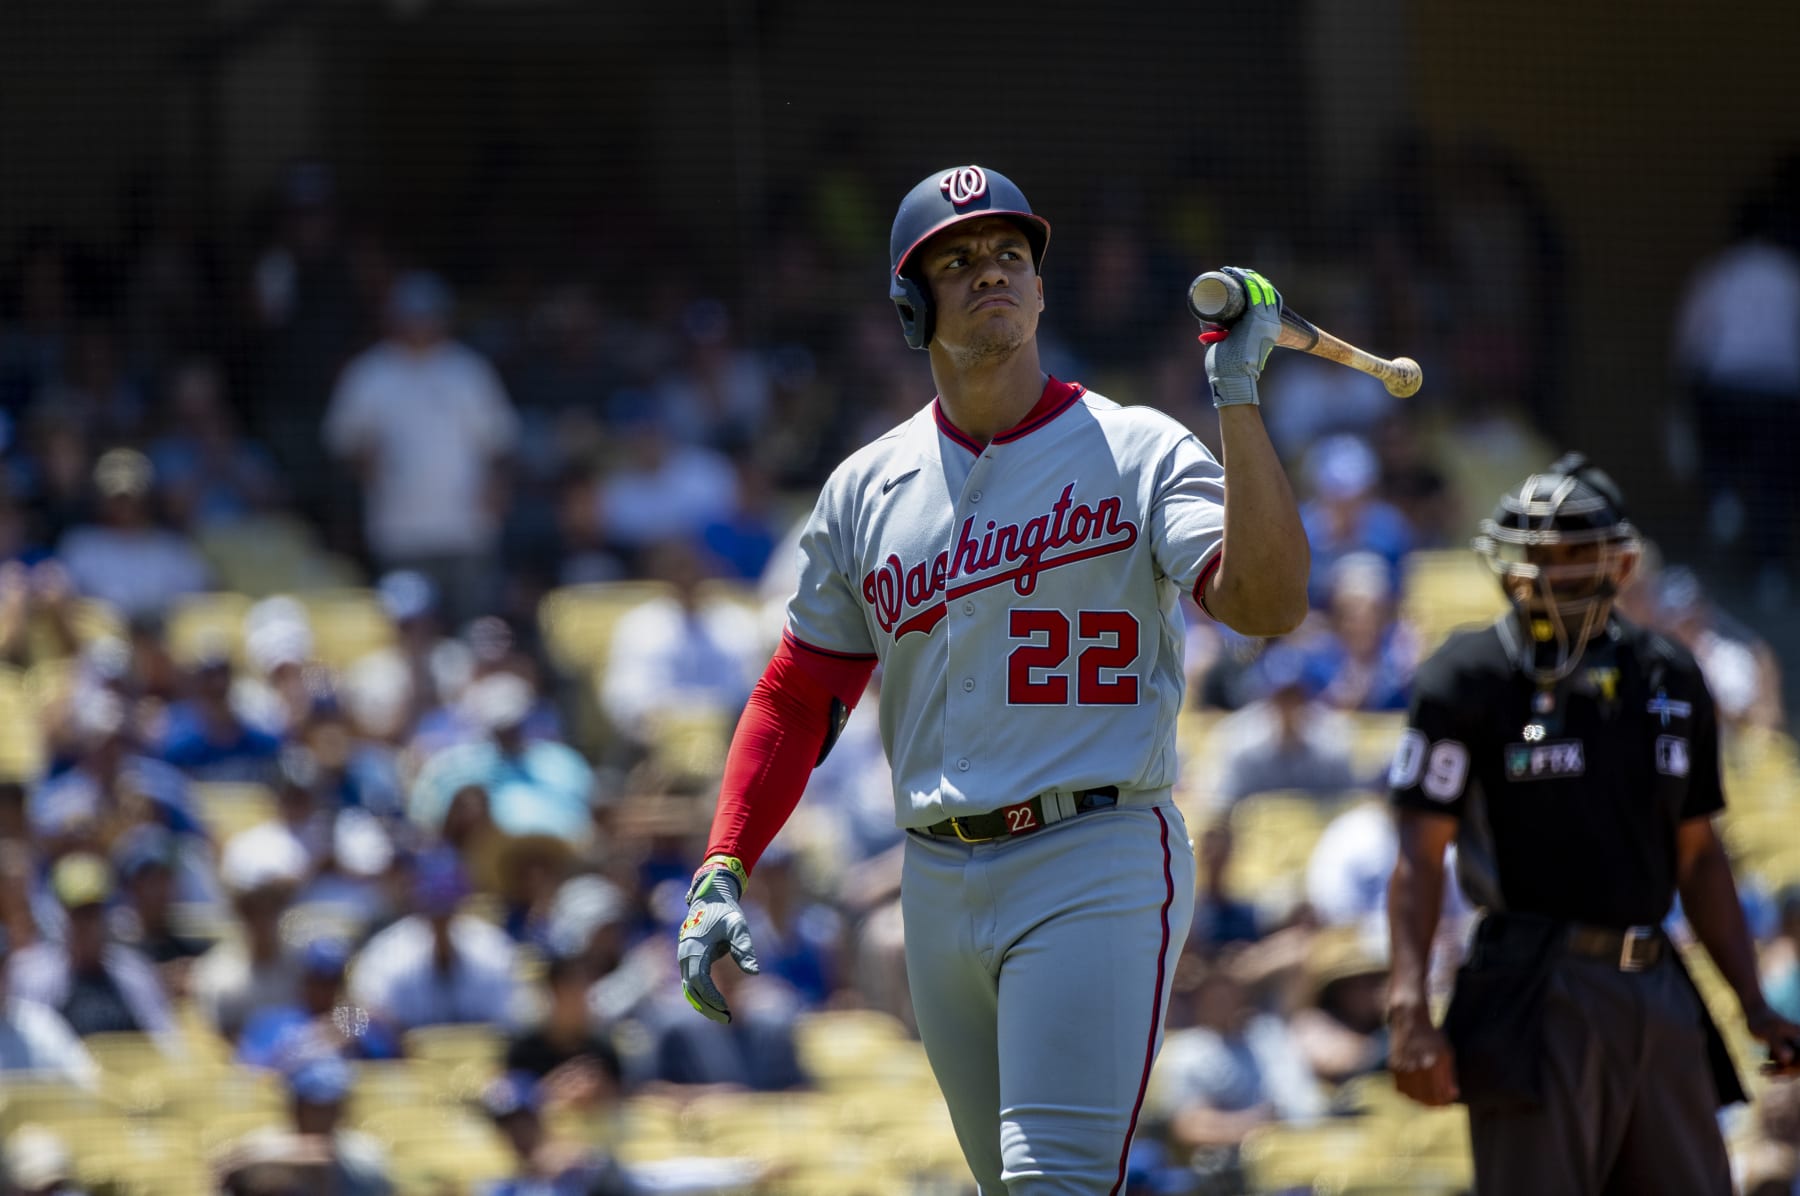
777 743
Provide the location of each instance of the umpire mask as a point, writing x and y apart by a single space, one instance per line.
1560 545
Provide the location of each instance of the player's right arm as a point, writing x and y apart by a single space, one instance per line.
1259 585
788 725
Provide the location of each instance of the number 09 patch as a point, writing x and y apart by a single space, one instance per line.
1439 769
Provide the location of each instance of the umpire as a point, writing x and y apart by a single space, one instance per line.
1573 758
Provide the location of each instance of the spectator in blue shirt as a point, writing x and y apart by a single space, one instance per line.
1344 516
320 1015
207 740
1365 657
533 787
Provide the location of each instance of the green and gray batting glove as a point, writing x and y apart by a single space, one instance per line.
1234 363
714 925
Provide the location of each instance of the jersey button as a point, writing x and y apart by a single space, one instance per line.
968 685
975 496
968 608
962 765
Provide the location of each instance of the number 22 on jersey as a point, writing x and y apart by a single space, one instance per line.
1105 642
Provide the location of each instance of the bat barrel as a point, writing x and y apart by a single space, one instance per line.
1216 298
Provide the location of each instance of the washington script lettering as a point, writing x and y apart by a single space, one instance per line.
894 587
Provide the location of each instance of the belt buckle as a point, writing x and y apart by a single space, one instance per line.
956 825
1628 956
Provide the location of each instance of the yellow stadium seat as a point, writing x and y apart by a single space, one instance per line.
21 731
230 807
391 1084
1445 589
838 1045
272 554
229 1092
577 621
1331 1156
347 624
1374 735
202 623
53 1103
457 1043
1274 835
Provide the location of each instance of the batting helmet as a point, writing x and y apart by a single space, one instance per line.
1563 598
940 200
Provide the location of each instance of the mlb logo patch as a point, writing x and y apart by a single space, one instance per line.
1672 755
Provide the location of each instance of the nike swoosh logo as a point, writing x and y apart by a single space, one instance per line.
895 481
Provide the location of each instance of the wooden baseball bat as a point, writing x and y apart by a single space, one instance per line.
1219 299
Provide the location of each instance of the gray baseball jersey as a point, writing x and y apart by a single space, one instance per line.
1021 598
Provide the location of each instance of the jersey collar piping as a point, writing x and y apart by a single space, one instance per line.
1057 398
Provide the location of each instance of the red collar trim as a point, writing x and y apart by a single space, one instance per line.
1057 398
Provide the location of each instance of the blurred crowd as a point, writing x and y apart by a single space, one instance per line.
309 856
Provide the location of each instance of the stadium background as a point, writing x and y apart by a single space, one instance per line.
1518 195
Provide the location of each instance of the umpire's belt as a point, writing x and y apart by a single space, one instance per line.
1632 949
1019 819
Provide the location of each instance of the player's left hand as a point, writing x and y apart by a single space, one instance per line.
1782 1038
714 925
1238 352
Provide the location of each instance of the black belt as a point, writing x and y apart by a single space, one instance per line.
1019 819
1518 936
1633 949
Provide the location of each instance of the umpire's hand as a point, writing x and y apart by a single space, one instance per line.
1419 1056
1782 1038
714 925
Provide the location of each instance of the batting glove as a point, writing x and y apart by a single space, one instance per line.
714 925
1237 354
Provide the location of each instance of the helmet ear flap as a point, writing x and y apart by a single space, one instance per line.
913 302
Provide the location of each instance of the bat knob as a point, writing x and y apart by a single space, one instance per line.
1407 378
1216 298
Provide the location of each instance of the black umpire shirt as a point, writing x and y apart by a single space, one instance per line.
1567 799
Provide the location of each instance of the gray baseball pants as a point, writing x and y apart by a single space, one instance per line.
1040 969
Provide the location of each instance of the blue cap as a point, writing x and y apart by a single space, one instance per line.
514 1092
1282 668
321 1080
144 846
327 955
1343 467
406 594
419 295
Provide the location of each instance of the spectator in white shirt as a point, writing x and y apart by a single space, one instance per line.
97 985
1737 345
1284 740
428 426
256 968
437 966
679 656
35 1039
663 489
125 559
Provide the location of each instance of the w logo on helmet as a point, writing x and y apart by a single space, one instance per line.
964 185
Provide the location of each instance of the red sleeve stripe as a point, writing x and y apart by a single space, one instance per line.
1156 1006
795 640
1206 571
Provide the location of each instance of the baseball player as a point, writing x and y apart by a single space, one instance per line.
1574 760
1012 556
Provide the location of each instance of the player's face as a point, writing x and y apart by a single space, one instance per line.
985 286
